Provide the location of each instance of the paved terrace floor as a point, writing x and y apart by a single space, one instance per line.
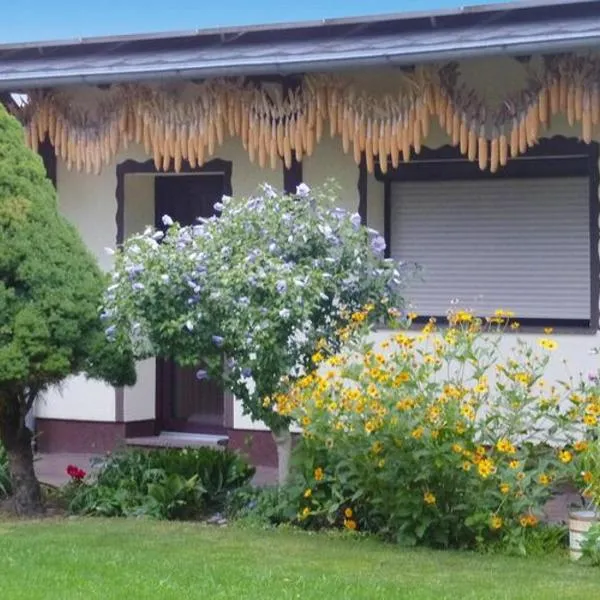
50 469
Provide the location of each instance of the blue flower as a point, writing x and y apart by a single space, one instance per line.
110 332
201 374
281 286
217 340
355 220
246 372
284 313
167 221
378 244
302 190
138 286
218 206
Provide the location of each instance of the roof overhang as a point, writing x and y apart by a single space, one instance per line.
509 29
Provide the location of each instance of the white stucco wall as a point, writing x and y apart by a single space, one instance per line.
89 202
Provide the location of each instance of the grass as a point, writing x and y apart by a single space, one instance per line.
93 558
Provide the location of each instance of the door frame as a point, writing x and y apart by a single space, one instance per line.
216 166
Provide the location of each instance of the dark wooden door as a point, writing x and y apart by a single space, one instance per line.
183 402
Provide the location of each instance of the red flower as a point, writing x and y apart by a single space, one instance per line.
75 473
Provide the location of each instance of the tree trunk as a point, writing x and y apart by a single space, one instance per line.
26 493
283 442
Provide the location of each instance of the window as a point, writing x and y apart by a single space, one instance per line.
521 241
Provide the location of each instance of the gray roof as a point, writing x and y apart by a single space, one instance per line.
406 39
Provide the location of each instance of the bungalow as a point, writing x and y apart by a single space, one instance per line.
467 137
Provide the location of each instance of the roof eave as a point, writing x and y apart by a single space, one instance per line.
292 65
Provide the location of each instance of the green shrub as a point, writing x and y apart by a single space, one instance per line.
5 487
590 547
413 441
163 484
263 505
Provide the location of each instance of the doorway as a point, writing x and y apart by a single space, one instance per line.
183 402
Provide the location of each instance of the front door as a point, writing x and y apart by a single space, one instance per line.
183 402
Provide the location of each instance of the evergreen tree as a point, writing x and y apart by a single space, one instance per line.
50 289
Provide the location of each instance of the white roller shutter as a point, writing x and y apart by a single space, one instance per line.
517 244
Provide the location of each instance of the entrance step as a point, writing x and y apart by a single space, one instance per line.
174 439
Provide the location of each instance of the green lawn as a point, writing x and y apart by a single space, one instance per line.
126 559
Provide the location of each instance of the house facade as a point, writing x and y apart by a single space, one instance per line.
468 138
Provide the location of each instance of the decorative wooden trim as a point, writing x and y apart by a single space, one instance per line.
362 190
562 157
46 151
131 167
387 216
552 157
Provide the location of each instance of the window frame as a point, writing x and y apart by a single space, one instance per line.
554 157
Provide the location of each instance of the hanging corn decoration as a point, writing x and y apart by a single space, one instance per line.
177 129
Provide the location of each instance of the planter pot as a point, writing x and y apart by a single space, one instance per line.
579 524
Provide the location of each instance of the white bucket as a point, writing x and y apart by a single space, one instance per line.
579 524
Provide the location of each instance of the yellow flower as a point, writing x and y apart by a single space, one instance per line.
350 524
381 463
515 325
544 479
548 330
435 434
504 488
503 314
417 433
370 426
317 357
401 378
520 476
457 448
348 513
565 456
505 446
587 477
319 474
486 467
468 412
528 521
466 466
429 498
307 493
461 316
522 378
305 421
496 522
590 420
548 344
580 446
377 447
305 513
412 315
514 464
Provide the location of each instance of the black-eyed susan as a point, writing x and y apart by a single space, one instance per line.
429 498
548 344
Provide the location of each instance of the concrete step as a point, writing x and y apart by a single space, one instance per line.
174 439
